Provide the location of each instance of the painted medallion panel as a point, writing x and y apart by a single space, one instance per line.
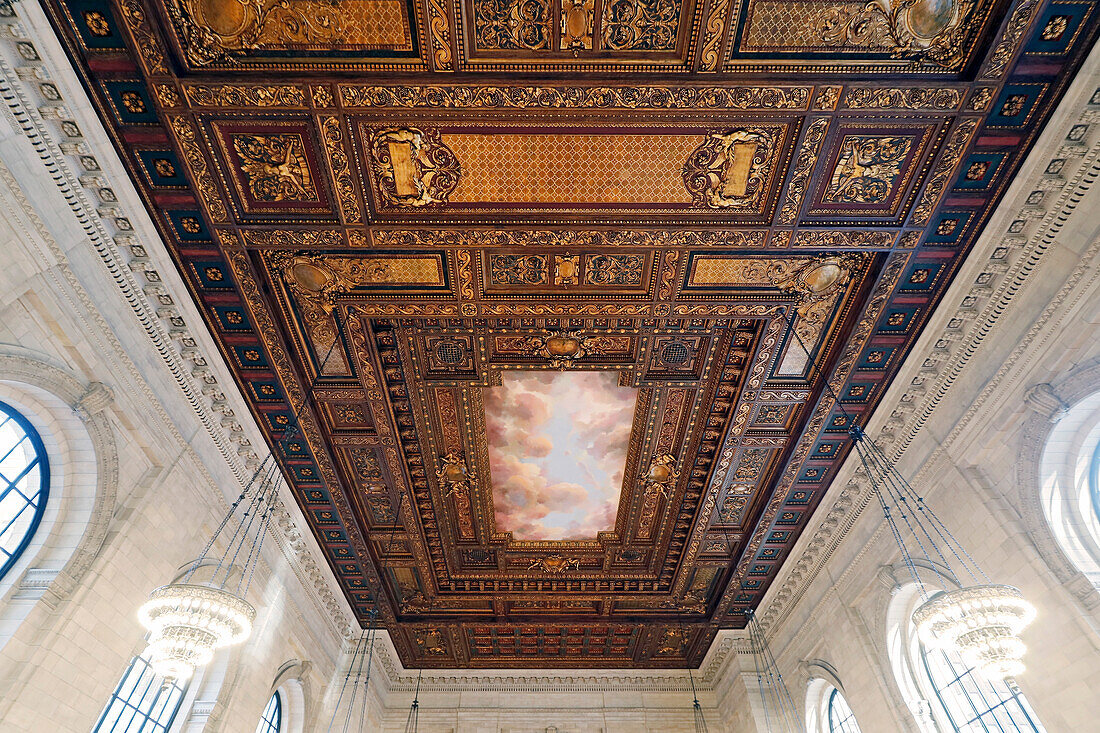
557 449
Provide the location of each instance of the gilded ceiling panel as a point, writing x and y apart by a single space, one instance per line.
577 285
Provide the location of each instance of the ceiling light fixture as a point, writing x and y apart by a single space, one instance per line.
981 621
189 620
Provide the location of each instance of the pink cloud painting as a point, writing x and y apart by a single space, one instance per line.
557 450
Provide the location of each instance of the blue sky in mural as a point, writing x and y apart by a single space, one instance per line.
557 450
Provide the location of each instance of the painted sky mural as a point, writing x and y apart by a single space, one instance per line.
557 450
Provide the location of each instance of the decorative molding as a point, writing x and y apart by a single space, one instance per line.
1048 405
1044 400
793 98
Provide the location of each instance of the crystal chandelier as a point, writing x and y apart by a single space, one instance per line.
981 621
188 620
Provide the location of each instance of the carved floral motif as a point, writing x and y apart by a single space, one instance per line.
803 167
912 98
867 169
454 475
661 476
641 25
215 32
517 24
518 97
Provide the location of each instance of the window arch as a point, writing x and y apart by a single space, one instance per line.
942 692
272 719
827 710
1069 484
24 484
141 703
840 716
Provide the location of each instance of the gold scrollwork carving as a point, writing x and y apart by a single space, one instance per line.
713 35
730 170
913 98
546 309
950 156
276 167
571 238
512 24
927 31
454 475
803 167
412 167
440 28
323 279
296 238
668 275
555 564
465 274
333 136
661 476
576 25
843 238
1010 40
819 282
642 97
217 32
640 25
245 95
187 137
431 642
147 43
562 348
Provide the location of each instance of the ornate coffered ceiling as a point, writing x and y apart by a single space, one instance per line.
484 273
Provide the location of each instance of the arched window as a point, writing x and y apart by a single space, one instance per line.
141 703
24 484
1069 484
841 717
826 709
943 692
272 719
973 703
